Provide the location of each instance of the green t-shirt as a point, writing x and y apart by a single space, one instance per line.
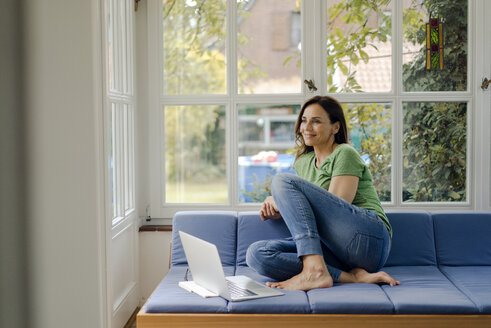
344 160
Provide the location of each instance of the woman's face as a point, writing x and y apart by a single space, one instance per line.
316 127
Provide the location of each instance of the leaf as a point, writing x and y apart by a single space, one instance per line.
454 195
364 56
333 89
287 60
343 68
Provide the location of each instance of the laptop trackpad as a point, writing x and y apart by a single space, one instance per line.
252 285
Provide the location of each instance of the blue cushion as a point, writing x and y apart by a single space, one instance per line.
251 229
425 290
412 240
463 238
217 227
350 299
474 282
294 301
168 297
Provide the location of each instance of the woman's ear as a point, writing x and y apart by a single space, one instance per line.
337 126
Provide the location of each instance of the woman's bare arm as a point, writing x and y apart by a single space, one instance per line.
344 186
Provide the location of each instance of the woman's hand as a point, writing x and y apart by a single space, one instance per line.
269 210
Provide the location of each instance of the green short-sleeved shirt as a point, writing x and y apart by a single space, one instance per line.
344 160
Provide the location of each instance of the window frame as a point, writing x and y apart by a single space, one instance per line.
119 113
313 53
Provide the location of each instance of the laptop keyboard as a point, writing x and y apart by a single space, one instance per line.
236 291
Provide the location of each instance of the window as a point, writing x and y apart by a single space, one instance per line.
231 85
119 110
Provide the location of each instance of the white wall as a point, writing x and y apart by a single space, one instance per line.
142 141
154 260
65 194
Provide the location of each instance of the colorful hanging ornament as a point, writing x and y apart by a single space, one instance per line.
434 44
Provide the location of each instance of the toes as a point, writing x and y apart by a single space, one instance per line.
389 280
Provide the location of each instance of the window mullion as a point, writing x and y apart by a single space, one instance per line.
312 46
397 117
155 82
231 108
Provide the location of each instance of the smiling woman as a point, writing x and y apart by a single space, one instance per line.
339 231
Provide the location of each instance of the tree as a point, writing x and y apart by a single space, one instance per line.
194 63
434 138
435 134
351 32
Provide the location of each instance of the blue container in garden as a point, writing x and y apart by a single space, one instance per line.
257 172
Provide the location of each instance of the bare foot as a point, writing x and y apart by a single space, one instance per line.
312 276
362 276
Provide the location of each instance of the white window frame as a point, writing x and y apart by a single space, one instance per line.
314 53
119 116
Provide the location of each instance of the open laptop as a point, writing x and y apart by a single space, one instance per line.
206 268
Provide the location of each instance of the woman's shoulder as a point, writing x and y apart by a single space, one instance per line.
306 156
304 159
347 151
346 148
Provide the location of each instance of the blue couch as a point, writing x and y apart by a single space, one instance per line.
442 259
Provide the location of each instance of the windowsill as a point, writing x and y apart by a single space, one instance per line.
155 227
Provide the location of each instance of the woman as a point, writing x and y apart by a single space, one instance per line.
340 232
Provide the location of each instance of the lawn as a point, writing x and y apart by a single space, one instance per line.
212 192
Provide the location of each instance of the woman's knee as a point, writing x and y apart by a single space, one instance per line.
281 180
256 255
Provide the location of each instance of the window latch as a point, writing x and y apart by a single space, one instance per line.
311 85
485 83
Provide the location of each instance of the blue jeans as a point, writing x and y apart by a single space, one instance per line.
321 223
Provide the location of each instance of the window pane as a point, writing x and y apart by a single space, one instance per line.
453 14
126 158
266 142
117 159
434 145
111 169
194 47
359 51
269 37
195 156
370 130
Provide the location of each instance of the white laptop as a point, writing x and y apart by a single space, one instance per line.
209 278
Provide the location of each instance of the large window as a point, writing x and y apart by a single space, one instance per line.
233 75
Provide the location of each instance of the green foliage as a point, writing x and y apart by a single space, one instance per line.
373 124
435 134
346 47
194 63
434 152
454 76
261 188
194 36
194 143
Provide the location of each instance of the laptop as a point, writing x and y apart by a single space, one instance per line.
206 268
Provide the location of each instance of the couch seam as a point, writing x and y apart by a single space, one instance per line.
479 308
437 257
390 299
236 217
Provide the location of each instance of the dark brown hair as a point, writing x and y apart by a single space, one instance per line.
334 111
